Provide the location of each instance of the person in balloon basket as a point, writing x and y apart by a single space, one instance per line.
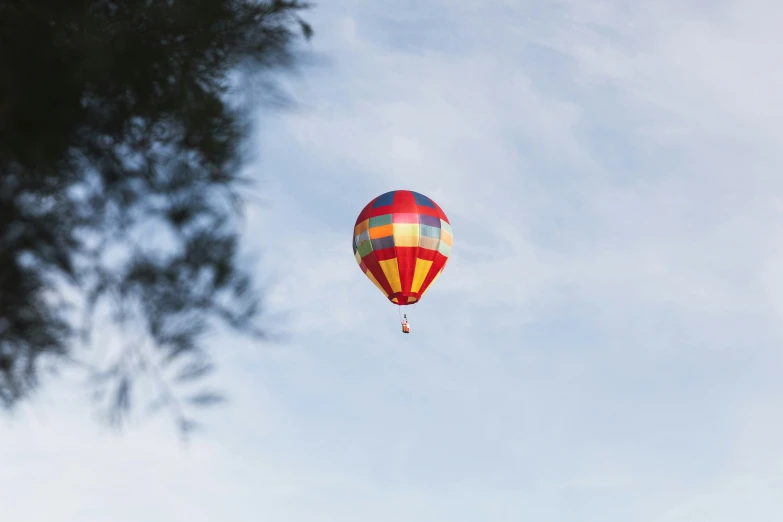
405 326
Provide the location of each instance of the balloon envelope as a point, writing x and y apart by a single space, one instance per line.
402 241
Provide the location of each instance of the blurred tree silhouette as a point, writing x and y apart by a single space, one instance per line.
120 150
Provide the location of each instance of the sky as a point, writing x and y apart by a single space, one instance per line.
604 343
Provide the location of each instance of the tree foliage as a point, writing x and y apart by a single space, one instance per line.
120 153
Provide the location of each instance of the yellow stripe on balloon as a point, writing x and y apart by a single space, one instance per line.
420 273
375 282
446 237
406 234
392 272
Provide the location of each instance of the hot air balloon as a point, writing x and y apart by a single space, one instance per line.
402 241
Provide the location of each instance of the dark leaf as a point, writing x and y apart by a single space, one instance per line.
206 399
195 370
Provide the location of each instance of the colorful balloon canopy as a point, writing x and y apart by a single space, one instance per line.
402 241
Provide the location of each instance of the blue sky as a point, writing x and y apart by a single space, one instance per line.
604 344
